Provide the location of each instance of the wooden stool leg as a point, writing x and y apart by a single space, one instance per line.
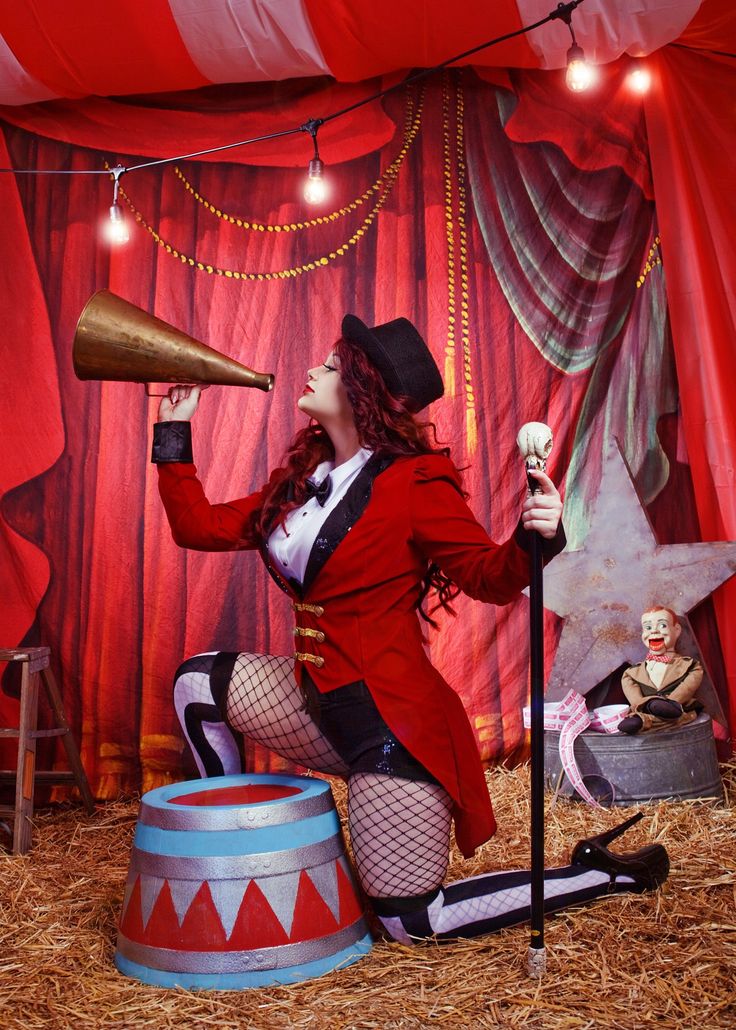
72 754
26 761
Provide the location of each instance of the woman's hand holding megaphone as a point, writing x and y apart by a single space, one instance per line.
180 404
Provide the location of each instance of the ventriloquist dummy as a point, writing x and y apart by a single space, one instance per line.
661 690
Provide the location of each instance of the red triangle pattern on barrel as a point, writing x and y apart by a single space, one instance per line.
182 895
162 929
256 924
201 929
350 906
280 892
151 887
312 917
130 883
324 878
131 924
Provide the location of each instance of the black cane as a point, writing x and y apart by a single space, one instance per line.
535 443
537 958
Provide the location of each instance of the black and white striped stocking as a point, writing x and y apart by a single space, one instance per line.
400 833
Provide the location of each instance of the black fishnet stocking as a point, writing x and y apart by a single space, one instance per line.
265 704
400 832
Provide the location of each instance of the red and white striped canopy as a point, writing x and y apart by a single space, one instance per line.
79 48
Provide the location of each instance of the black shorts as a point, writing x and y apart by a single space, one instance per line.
349 719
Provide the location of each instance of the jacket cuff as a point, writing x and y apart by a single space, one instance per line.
172 442
550 547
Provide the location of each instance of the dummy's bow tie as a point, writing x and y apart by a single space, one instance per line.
652 657
321 491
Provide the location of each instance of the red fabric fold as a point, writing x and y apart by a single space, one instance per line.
596 129
31 428
712 28
83 46
165 127
359 41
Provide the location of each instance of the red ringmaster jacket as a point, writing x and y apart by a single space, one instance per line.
355 611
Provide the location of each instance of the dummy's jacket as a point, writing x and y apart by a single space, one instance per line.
355 611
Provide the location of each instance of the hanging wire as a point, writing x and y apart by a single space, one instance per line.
562 12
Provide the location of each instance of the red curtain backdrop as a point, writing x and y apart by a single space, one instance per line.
690 124
467 233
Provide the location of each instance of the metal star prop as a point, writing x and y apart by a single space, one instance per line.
601 590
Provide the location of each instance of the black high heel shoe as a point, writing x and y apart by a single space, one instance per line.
648 867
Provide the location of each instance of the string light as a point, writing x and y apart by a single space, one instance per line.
315 188
579 75
116 230
639 79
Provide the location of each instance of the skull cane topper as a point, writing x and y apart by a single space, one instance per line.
535 443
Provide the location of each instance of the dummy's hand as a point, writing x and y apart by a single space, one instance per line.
180 403
542 512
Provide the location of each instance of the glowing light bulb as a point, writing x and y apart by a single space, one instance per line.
315 189
116 229
640 79
579 75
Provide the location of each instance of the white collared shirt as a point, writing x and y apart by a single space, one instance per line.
656 671
290 546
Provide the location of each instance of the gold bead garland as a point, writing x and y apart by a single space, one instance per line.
284 273
387 180
470 423
457 257
653 258
412 122
450 234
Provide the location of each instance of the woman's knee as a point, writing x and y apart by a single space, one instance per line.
203 678
409 920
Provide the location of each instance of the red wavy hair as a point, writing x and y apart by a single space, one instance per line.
662 608
386 426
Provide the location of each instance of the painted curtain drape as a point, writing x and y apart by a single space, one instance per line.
462 216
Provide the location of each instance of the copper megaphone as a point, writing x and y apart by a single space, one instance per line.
117 340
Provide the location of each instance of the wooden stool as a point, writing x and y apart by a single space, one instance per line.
35 662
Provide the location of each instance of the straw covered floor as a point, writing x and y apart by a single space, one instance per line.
628 961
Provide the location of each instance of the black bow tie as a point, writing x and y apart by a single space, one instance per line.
321 491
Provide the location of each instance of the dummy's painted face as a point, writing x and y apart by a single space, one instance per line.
659 631
324 397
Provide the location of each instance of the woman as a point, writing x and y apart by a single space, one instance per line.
364 519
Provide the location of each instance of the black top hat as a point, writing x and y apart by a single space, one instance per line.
401 356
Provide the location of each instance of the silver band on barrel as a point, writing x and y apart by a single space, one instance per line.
278 957
237 817
236 867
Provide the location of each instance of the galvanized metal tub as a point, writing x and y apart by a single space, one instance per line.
679 763
237 882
